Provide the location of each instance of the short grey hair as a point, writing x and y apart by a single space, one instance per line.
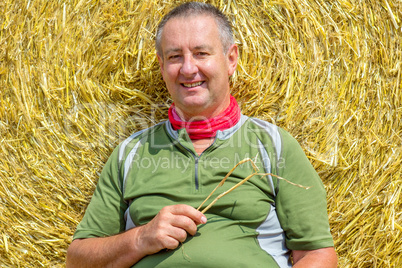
194 9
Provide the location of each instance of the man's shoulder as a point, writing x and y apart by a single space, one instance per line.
261 123
272 134
133 139
271 129
155 129
264 128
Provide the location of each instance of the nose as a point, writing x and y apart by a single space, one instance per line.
189 66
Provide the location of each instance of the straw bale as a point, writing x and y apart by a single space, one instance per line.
77 77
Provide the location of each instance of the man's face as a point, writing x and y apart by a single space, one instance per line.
194 66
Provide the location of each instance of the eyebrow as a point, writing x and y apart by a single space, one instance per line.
201 47
171 50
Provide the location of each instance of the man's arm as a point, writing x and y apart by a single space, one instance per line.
169 227
320 258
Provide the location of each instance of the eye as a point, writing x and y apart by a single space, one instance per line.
173 57
201 54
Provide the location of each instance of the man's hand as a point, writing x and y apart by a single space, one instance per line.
169 227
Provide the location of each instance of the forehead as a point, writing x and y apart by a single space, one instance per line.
188 32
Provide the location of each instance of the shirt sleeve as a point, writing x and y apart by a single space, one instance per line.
302 213
104 215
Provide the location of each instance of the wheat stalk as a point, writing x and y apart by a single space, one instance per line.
255 173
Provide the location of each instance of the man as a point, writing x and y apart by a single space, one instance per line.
144 215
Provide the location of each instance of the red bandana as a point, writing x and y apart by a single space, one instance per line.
207 128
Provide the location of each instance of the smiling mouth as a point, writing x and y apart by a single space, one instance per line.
192 84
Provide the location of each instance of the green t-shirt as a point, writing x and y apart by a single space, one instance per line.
256 225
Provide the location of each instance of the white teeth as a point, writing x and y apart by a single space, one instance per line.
193 84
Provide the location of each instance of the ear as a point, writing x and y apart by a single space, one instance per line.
160 60
232 55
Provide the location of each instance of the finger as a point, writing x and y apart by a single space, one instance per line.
170 243
185 223
179 234
188 211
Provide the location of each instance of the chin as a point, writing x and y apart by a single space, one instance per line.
198 105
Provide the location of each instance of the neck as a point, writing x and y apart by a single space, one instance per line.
201 126
200 145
